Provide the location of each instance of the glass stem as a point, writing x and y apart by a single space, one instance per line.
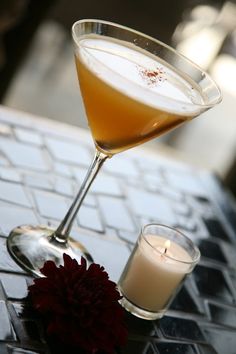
62 233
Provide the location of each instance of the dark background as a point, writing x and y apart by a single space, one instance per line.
19 20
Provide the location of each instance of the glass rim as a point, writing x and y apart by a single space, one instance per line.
197 252
204 106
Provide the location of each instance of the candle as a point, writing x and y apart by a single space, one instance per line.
155 270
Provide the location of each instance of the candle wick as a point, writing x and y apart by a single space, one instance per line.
165 250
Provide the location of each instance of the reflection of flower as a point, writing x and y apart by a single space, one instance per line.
80 306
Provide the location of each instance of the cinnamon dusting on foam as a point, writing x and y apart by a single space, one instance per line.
152 77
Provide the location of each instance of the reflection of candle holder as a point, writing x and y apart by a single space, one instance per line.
158 265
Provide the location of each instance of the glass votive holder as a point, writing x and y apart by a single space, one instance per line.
155 271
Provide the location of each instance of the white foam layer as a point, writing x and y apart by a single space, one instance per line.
135 73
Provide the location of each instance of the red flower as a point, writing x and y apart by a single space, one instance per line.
80 305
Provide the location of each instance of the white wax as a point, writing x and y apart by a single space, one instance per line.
152 277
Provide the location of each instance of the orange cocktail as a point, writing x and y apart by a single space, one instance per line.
121 87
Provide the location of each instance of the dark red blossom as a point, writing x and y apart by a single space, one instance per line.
80 306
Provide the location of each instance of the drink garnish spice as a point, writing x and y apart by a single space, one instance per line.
152 77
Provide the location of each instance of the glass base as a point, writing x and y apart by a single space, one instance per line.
140 312
32 246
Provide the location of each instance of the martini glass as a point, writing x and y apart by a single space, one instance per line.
134 88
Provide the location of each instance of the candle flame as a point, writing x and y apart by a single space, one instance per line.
166 246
